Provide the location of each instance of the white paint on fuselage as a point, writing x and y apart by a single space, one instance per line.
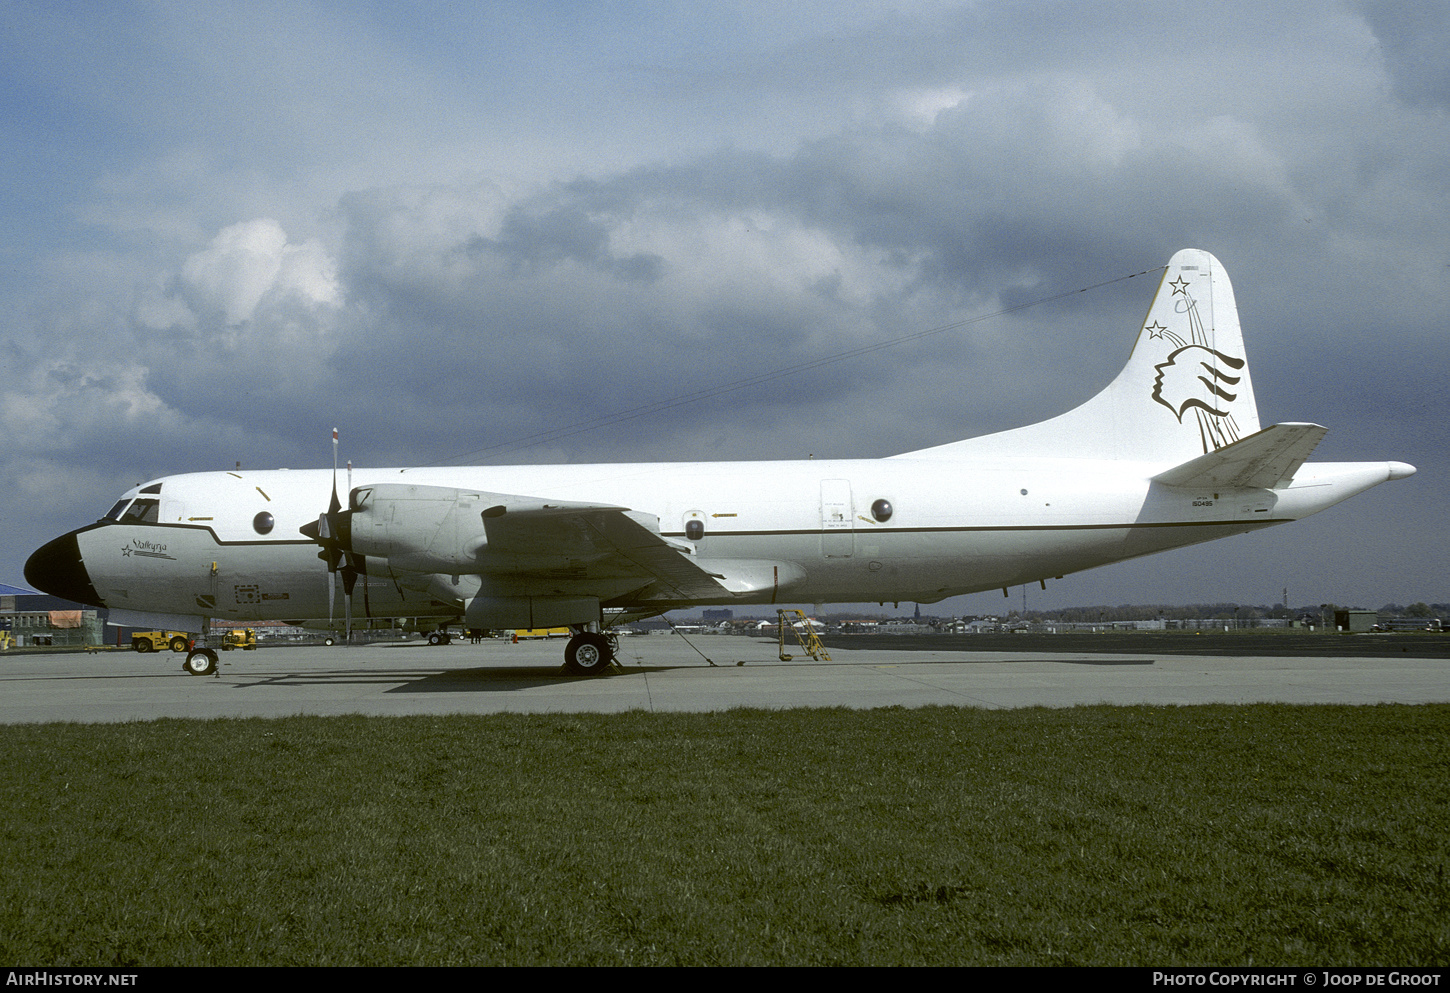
955 528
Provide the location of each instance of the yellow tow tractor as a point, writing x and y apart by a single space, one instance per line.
158 641
525 634
243 638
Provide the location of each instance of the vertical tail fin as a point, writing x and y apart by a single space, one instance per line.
1185 391
1201 375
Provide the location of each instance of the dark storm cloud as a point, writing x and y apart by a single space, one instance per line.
1413 38
541 239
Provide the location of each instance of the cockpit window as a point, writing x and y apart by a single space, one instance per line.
114 514
142 512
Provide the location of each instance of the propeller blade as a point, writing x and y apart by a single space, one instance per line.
333 531
358 566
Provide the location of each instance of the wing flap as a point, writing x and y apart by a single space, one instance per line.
654 555
576 531
1265 459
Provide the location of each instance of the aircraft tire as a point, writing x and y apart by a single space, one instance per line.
178 644
587 654
200 662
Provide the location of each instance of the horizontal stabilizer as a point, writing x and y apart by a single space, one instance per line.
1265 459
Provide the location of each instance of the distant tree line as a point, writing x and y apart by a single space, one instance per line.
1151 612
1224 611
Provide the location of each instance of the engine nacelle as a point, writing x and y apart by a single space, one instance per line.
420 528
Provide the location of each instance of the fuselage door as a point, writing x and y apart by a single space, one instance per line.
838 529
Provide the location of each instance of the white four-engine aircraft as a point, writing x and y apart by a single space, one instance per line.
1169 454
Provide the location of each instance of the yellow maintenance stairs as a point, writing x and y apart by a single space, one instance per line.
805 633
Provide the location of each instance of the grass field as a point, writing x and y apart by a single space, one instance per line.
1105 835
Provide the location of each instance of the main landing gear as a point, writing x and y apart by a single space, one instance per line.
589 653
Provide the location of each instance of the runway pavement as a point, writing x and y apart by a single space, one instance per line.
664 673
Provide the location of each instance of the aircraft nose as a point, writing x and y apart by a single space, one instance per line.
56 568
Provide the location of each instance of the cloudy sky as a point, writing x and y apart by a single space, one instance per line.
473 232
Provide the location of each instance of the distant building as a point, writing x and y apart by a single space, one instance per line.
34 619
1355 620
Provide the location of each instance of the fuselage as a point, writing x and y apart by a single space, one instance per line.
227 544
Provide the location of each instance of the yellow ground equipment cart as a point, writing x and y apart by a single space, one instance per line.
159 641
244 638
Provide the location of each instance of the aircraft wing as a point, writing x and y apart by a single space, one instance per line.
525 540
1265 459
600 533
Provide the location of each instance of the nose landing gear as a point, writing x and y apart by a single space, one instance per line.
200 662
